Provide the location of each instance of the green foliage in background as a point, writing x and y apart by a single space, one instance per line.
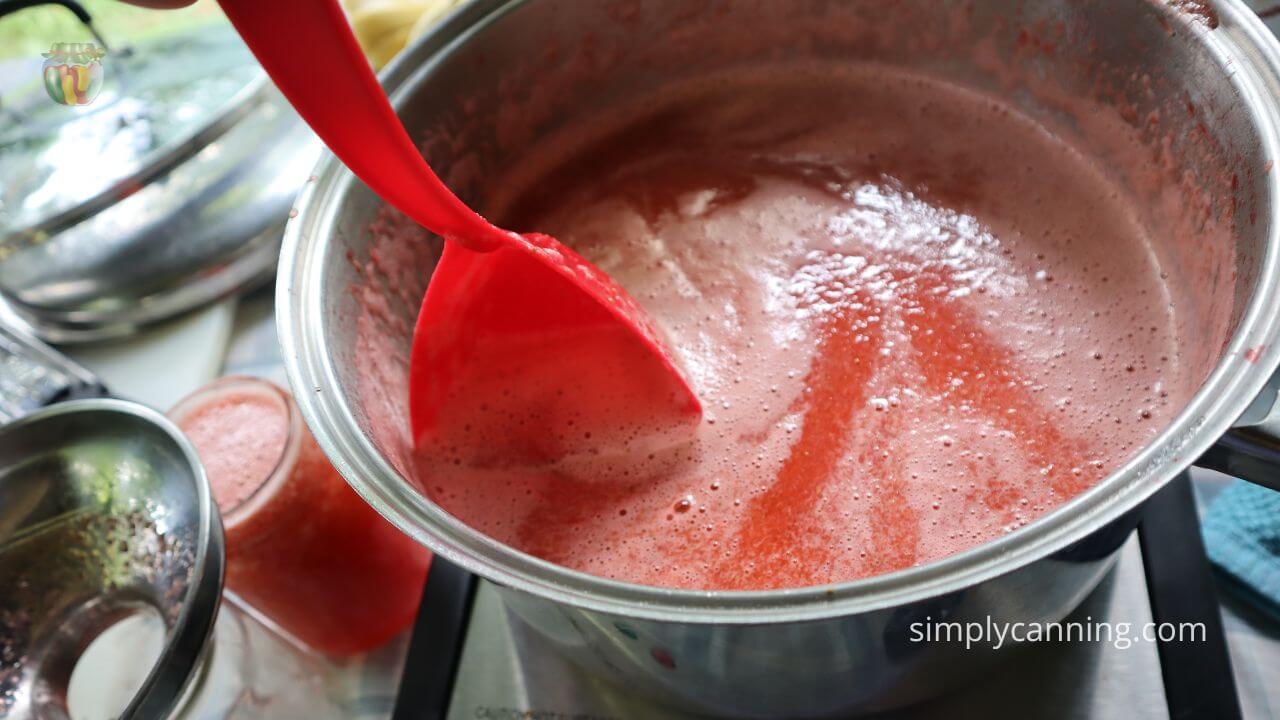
27 33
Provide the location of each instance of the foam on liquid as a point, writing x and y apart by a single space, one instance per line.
240 436
916 320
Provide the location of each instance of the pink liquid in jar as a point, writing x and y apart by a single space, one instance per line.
302 546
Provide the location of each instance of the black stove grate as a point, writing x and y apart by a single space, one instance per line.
1198 681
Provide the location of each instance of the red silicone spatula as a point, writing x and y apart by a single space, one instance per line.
523 350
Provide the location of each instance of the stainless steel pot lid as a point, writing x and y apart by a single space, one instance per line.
148 108
159 185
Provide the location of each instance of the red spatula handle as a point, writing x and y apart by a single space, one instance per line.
307 48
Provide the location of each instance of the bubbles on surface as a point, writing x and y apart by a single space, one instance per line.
908 330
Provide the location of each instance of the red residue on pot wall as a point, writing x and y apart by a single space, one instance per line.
1197 10
1042 36
1254 354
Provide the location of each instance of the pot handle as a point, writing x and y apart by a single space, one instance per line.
1251 448
12 6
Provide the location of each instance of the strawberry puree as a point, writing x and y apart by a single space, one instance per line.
916 319
302 547
241 439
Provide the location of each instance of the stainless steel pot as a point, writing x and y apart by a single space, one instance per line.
1197 87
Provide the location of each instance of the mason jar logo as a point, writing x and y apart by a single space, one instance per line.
73 72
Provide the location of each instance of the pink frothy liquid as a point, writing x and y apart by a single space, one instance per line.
917 321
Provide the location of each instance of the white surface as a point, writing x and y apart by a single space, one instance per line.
114 666
162 364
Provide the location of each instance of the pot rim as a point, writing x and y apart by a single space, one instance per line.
1251 52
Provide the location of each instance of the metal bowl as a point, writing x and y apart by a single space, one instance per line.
105 512
502 75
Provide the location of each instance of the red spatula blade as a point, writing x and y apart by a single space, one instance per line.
526 351
522 358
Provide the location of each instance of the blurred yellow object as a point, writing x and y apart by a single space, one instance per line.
384 27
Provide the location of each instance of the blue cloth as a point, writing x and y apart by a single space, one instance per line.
1242 538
